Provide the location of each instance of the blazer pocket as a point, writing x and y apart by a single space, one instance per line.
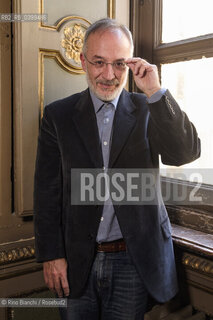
166 229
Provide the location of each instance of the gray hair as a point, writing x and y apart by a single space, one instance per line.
107 24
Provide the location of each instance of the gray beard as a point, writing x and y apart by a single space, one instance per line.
110 96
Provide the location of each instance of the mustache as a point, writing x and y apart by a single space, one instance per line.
113 82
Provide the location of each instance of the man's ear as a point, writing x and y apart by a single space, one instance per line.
83 61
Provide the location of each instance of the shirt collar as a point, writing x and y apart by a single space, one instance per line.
98 103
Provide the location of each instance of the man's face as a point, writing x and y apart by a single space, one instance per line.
107 46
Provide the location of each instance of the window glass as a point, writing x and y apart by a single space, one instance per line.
191 84
184 19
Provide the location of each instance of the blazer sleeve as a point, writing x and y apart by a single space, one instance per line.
171 133
49 242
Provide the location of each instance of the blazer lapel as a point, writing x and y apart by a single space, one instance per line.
124 123
86 124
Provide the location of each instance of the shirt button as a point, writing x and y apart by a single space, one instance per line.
106 120
102 218
105 143
104 168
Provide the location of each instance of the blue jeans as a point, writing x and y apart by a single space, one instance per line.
114 291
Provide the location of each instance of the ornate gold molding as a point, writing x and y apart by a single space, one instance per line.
73 42
56 55
72 29
198 264
71 32
63 21
17 254
111 5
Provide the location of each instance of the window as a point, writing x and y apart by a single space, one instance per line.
190 79
177 36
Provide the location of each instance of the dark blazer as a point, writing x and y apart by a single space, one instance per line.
69 139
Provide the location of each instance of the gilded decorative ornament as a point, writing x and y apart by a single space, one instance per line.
198 263
17 254
73 42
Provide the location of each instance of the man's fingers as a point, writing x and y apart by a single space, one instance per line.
138 66
55 276
140 70
57 284
47 278
131 62
65 286
49 281
134 60
58 288
143 71
145 75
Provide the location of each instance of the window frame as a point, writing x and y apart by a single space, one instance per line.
146 26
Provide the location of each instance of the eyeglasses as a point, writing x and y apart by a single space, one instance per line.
99 64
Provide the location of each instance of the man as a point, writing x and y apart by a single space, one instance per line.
106 259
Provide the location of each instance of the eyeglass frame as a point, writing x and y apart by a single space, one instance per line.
106 63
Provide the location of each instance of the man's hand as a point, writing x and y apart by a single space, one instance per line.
55 276
145 75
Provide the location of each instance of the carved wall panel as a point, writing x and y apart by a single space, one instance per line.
59 40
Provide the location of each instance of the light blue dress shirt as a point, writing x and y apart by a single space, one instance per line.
109 229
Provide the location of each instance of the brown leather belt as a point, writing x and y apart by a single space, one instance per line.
112 246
